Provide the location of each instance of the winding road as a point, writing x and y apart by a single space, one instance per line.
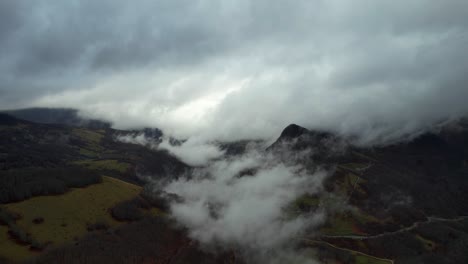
431 219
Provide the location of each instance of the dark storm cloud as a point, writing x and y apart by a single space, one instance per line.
248 68
41 39
9 18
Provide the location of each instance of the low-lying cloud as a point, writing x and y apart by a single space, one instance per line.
242 202
193 151
138 139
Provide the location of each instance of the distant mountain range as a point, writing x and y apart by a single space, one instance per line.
64 116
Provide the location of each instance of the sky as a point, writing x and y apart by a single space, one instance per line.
229 70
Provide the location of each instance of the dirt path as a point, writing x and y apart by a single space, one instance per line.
347 249
358 237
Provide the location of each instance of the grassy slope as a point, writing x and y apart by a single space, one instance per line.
92 139
65 216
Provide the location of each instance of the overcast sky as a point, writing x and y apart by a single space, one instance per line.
240 69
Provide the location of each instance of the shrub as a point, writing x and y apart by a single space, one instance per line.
6 217
37 246
19 235
38 220
127 211
100 225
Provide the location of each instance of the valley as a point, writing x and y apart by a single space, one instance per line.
81 190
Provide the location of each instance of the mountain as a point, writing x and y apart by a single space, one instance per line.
64 116
324 148
407 201
299 137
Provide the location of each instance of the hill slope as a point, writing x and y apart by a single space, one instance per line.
401 199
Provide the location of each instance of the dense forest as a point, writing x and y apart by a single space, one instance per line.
19 184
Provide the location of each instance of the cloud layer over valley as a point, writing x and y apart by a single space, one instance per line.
246 202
